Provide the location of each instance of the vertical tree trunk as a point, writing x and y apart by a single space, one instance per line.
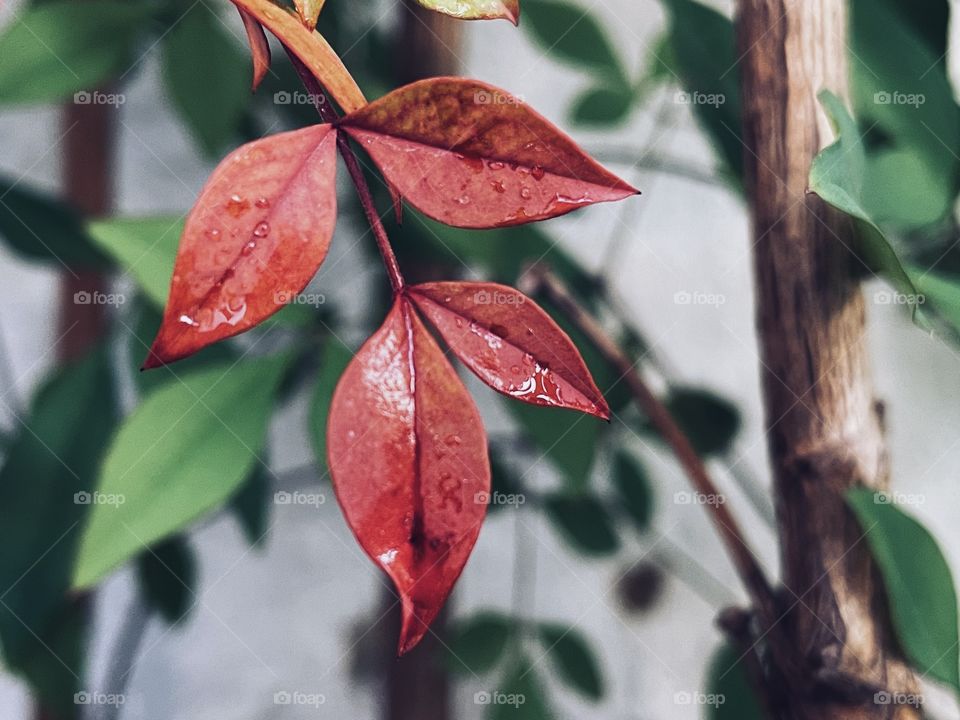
825 425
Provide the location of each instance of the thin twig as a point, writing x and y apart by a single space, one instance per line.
751 574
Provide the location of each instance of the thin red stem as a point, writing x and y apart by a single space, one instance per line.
329 114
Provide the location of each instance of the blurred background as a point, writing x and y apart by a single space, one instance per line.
597 578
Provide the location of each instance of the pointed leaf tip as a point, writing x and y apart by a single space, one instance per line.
408 456
476 9
259 47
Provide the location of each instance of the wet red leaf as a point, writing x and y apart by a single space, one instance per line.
471 155
256 235
511 344
408 457
259 47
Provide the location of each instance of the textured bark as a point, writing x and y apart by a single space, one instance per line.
825 425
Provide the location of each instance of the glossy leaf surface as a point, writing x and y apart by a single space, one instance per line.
511 344
259 46
408 457
471 155
476 9
311 48
256 235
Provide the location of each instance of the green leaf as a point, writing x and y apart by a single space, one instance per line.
603 105
519 697
251 505
583 522
703 51
39 227
144 247
207 77
336 357
572 659
57 49
45 490
478 643
167 573
920 590
838 175
710 422
727 678
571 34
181 454
633 485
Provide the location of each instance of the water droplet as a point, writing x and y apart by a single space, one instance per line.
248 248
537 172
453 440
528 359
187 320
463 200
497 185
262 229
515 369
496 165
447 299
525 193
237 206
213 234
459 323
262 203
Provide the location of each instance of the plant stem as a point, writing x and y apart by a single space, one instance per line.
543 281
313 87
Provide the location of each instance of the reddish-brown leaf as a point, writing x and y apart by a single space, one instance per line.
311 48
256 235
470 155
408 457
309 11
259 47
511 344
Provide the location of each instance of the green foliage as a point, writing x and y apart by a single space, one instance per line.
919 585
39 227
521 685
573 659
583 522
710 422
603 105
207 77
251 505
477 644
183 452
167 573
727 677
57 49
45 493
634 490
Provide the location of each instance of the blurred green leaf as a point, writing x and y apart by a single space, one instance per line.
703 48
920 589
710 422
727 678
207 77
478 643
603 105
45 485
570 33
39 227
336 357
521 696
167 573
58 49
181 454
633 485
572 658
567 439
583 522
251 505
144 247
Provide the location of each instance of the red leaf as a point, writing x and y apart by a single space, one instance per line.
259 47
309 11
470 155
511 344
408 457
256 235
